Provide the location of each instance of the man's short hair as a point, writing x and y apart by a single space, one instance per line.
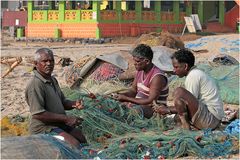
143 50
40 51
184 56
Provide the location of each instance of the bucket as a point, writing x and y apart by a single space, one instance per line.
57 33
238 26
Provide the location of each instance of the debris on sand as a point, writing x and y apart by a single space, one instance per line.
160 39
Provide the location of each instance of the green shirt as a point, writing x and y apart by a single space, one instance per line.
44 95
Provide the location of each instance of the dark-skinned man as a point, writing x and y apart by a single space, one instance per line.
150 83
199 103
48 104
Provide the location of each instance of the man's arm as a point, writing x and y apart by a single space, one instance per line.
132 91
162 109
49 117
156 86
68 104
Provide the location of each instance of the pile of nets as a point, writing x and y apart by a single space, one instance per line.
171 144
14 126
119 131
104 116
37 147
160 39
226 77
116 131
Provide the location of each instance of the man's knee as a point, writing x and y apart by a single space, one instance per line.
70 139
78 135
178 92
180 105
178 102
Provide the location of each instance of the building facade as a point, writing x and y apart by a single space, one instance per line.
110 18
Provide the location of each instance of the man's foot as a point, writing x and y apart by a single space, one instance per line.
184 121
161 109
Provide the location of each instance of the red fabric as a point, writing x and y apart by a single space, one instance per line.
106 71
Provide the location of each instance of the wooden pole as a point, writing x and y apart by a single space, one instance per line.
15 64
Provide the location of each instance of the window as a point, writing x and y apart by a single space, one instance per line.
41 5
182 6
130 5
167 6
77 5
109 6
148 5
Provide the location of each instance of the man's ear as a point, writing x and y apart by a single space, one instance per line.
147 60
35 63
186 67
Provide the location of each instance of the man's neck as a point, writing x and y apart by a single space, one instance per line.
48 77
148 68
191 69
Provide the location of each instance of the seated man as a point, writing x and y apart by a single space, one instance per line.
48 104
150 83
199 103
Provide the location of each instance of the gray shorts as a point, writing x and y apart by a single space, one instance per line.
204 119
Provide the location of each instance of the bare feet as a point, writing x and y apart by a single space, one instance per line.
161 109
184 121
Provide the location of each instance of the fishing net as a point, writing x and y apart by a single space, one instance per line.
117 131
37 147
106 117
105 71
170 144
14 126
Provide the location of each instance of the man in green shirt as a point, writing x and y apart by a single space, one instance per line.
48 104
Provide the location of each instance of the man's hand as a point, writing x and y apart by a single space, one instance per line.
119 97
73 121
161 109
78 104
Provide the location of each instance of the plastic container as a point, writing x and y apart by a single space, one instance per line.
19 32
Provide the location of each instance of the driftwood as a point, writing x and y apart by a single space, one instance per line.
14 64
9 60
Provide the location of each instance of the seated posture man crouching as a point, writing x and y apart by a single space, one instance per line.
48 104
199 103
150 83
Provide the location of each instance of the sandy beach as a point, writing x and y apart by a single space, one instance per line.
14 84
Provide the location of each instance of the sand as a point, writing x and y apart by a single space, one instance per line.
13 85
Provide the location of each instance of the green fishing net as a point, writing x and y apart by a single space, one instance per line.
115 131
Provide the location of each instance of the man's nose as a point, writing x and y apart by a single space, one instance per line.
48 62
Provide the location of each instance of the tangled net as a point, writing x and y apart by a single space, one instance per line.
116 131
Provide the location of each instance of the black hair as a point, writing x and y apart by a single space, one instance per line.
184 56
143 50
